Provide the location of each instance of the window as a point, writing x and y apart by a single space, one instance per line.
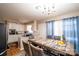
54 28
49 29
58 28
29 28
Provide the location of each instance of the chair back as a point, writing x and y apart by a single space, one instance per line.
36 51
27 48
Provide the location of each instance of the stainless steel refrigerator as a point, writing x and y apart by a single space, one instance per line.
3 38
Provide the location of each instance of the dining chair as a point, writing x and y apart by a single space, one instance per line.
27 49
36 51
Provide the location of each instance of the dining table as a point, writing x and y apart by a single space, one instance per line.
51 44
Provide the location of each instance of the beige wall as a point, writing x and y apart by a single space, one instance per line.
42 30
66 15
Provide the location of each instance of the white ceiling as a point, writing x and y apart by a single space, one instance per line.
25 12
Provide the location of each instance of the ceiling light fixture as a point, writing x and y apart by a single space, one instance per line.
48 9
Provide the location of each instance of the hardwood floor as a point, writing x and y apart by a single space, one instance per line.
13 49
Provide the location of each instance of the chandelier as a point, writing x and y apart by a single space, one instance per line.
48 9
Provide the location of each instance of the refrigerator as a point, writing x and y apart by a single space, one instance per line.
3 38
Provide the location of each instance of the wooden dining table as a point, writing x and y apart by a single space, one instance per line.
50 44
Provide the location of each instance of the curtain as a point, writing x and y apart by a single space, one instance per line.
71 31
49 29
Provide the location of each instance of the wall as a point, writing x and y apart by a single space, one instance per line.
66 15
1 20
42 30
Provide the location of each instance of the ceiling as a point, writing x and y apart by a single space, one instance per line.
26 12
